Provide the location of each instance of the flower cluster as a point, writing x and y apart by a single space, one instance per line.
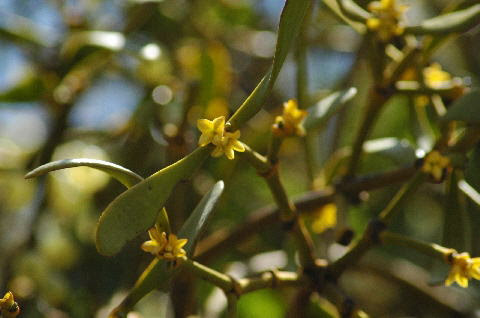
159 245
435 77
463 268
435 165
213 131
8 307
291 121
386 20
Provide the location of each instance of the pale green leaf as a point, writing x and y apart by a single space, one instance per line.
335 8
134 211
458 21
125 176
290 22
466 108
197 221
320 113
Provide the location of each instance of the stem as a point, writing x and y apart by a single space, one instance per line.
376 100
430 249
218 279
231 305
370 236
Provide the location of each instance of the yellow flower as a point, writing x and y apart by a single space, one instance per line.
210 129
227 145
169 249
435 77
386 20
435 165
291 121
213 131
463 268
8 307
325 218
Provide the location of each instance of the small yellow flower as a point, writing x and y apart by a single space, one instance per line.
324 218
210 129
213 131
435 77
291 121
435 165
463 268
227 145
386 20
169 249
8 307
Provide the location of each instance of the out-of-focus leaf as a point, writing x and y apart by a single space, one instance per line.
112 41
135 210
290 22
399 151
125 176
352 10
469 191
456 229
472 172
28 89
197 221
334 7
156 275
319 114
465 108
458 21
22 30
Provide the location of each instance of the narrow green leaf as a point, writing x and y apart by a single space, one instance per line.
197 221
458 21
319 114
456 229
158 274
112 41
335 8
290 22
28 89
469 191
399 151
472 172
125 176
465 108
135 210
353 11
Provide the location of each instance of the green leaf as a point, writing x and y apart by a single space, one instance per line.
458 21
456 230
158 274
472 172
290 22
111 41
335 8
125 176
399 151
28 89
197 221
135 210
465 108
319 114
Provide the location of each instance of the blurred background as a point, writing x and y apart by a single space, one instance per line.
126 80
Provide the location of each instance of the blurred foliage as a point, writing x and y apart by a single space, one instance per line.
126 82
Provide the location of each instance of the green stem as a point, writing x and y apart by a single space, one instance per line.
231 305
376 100
218 279
430 249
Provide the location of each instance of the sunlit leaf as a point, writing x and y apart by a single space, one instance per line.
469 191
125 176
333 6
112 41
134 211
319 114
196 223
458 21
398 150
28 89
465 108
290 22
